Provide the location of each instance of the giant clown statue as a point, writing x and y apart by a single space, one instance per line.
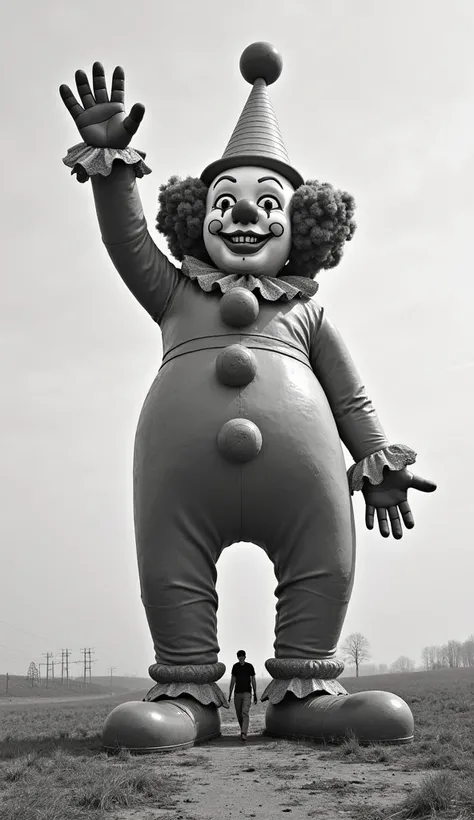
239 438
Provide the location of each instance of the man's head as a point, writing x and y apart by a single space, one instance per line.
241 656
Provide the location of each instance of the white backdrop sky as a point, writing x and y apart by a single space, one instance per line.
375 97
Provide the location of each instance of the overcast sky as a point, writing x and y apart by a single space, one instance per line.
375 97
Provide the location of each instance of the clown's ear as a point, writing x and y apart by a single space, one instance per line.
181 216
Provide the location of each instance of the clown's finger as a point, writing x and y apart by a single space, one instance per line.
407 515
134 119
99 84
395 522
369 516
84 89
422 484
70 101
383 522
118 85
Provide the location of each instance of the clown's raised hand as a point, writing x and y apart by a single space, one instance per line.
389 499
102 122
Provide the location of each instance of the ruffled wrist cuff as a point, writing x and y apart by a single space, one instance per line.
395 457
87 161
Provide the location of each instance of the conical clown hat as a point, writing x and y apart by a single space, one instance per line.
256 139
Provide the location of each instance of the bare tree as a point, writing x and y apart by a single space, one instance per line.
467 652
356 648
441 656
403 664
426 658
453 653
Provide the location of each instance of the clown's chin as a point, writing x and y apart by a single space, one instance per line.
249 265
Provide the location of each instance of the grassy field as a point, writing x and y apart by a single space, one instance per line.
52 767
17 686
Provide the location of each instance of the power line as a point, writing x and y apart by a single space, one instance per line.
26 631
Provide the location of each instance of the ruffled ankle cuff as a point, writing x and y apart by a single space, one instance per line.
320 669
87 161
205 693
186 673
301 688
395 457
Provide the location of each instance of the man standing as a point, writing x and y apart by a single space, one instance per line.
243 679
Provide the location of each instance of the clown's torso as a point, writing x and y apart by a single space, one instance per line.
205 385
213 373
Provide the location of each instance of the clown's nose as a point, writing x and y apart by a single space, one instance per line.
245 211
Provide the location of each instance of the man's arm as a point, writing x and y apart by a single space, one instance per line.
231 687
254 687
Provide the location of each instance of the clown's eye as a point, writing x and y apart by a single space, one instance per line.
269 203
224 202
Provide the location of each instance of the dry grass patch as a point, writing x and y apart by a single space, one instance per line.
441 795
52 766
63 786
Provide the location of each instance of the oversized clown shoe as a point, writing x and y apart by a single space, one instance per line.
240 435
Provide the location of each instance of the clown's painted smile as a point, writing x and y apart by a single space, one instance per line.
245 242
246 208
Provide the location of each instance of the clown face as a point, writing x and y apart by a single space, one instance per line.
247 228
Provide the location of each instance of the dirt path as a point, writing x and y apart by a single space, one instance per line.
264 779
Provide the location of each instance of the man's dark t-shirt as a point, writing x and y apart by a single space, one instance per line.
242 673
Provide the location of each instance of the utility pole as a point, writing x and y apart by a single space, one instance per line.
87 661
67 653
111 670
84 651
49 660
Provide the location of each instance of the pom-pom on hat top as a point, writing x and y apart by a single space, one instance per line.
256 139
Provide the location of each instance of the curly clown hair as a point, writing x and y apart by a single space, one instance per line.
321 223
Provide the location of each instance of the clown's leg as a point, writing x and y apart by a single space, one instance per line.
315 574
178 546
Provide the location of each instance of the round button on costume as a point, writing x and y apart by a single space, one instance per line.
239 438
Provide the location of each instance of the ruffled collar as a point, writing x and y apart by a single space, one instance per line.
271 288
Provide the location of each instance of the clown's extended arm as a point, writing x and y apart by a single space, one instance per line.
146 271
106 157
356 419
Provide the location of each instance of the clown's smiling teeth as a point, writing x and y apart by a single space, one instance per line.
245 242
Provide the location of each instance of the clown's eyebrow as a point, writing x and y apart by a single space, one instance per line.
231 179
265 179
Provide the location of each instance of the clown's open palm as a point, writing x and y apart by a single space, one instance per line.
389 498
102 123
